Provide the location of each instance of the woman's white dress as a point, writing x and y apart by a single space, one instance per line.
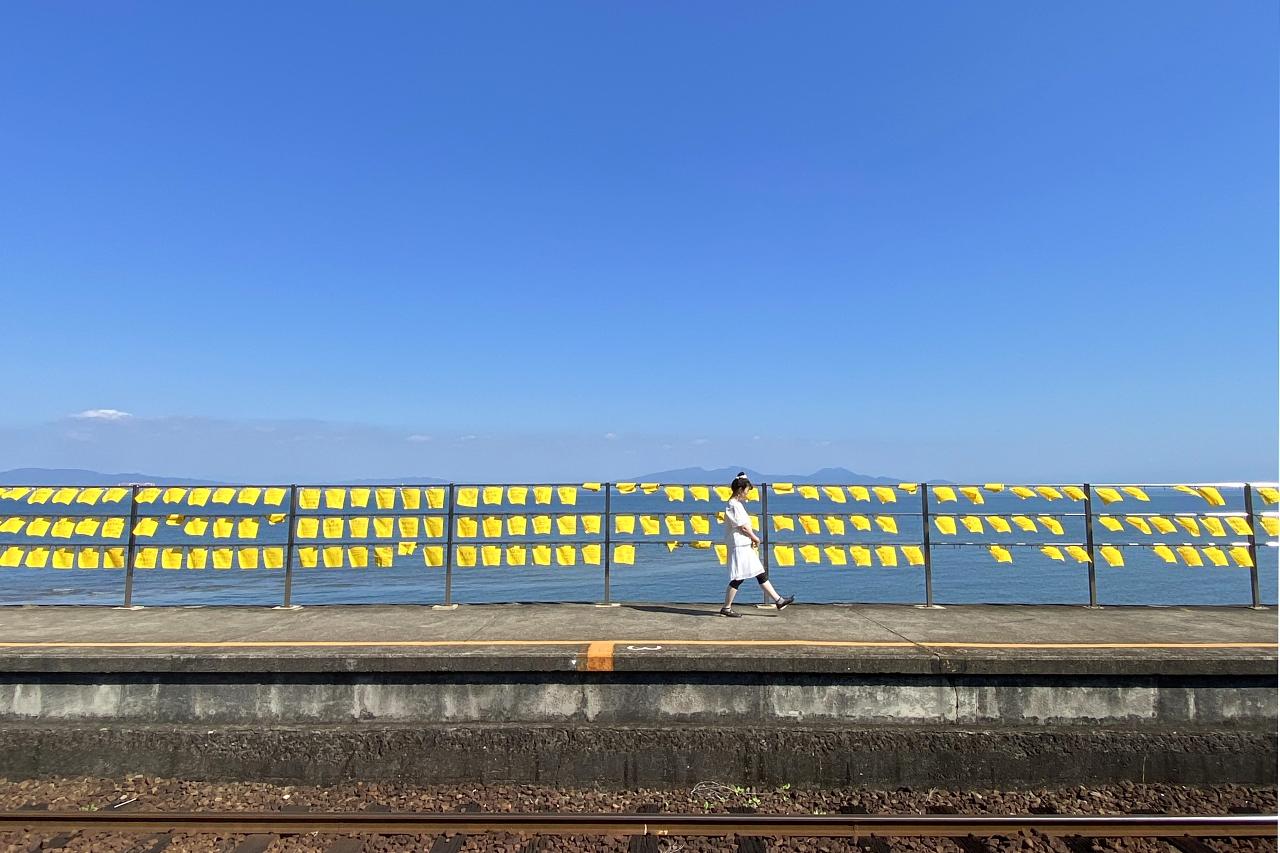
744 562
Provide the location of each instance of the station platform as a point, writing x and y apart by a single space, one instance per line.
643 694
826 639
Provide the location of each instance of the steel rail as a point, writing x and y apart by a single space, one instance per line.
412 823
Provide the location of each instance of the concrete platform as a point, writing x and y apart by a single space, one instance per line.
643 694
830 639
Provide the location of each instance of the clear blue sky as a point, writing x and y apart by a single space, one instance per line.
931 239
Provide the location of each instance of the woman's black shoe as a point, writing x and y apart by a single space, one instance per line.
725 611
785 600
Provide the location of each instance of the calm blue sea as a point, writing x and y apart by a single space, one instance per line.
961 574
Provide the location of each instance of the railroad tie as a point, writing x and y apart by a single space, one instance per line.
454 843
749 843
154 844
257 843
1187 844
645 843
869 845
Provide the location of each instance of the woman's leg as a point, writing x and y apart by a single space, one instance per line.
763 580
730 592
770 591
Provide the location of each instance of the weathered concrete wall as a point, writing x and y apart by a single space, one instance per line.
652 757
643 699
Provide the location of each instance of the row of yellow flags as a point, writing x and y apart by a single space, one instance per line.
362 556
468 527
490 527
309 556
411 498
1239 524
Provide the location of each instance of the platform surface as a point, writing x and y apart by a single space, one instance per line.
974 639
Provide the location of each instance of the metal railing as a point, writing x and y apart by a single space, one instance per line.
461 525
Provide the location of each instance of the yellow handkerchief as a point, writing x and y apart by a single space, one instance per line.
1052 524
887 555
999 524
1112 555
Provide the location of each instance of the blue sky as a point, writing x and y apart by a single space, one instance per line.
565 239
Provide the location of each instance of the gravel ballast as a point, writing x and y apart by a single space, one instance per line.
157 794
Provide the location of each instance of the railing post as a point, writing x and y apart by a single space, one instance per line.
289 546
1253 549
928 549
1088 541
132 546
608 528
448 552
764 534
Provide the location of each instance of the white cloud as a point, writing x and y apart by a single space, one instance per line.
701 440
417 437
103 415
610 436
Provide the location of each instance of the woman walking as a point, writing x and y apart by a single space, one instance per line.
742 543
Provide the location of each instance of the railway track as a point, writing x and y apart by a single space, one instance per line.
855 826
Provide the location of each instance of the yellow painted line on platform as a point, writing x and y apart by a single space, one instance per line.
600 645
600 657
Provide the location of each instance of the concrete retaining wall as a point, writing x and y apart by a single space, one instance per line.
632 757
640 699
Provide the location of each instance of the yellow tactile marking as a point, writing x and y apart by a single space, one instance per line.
413 644
600 657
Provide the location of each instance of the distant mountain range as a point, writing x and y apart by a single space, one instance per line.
84 477
716 476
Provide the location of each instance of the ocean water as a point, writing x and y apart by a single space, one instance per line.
961 573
